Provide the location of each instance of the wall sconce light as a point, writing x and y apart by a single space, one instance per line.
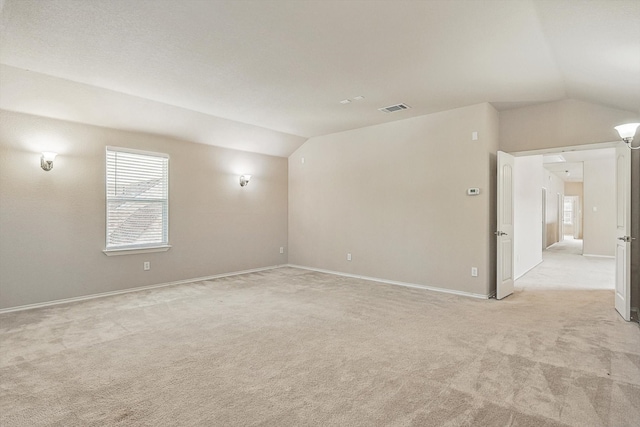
244 180
627 132
46 160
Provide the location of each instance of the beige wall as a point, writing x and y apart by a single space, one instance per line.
559 124
576 189
599 211
394 196
52 224
48 251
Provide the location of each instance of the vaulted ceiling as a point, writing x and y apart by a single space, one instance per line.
264 75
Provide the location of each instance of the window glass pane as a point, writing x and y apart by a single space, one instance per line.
137 199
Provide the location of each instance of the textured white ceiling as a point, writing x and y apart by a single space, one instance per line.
284 66
568 172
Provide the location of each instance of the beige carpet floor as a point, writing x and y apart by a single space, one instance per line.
290 347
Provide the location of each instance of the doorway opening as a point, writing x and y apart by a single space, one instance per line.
571 217
569 245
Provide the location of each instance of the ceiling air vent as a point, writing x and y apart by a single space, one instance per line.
394 108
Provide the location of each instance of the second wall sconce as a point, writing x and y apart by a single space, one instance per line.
46 160
244 180
627 132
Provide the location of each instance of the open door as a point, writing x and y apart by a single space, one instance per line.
623 231
504 228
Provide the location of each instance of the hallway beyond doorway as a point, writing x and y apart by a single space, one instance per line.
564 267
568 246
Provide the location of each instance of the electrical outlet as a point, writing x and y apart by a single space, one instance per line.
474 272
146 265
281 250
348 257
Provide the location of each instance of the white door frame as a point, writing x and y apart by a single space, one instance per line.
613 144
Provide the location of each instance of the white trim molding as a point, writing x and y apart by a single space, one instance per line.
236 273
394 282
129 290
598 256
529 269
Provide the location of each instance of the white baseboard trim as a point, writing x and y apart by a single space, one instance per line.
537 264
394 282
128 290
599 256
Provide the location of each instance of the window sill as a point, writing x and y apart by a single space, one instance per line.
116 252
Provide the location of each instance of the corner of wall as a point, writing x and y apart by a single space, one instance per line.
52 224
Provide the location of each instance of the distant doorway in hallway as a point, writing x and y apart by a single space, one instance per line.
572 217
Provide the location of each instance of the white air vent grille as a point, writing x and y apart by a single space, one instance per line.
394 108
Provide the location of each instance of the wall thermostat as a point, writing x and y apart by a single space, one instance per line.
473 191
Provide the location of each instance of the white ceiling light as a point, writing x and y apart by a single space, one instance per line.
349 101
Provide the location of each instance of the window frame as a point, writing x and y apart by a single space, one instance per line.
136 248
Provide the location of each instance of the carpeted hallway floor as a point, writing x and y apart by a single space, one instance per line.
564 267
290 347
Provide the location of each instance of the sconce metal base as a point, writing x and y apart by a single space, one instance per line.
46 165
628 141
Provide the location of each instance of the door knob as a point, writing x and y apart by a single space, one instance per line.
500 233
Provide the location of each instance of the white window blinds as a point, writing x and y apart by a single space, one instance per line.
137 199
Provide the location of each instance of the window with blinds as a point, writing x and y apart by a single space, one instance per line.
137 199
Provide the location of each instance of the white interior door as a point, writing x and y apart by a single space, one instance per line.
504 228
623 231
